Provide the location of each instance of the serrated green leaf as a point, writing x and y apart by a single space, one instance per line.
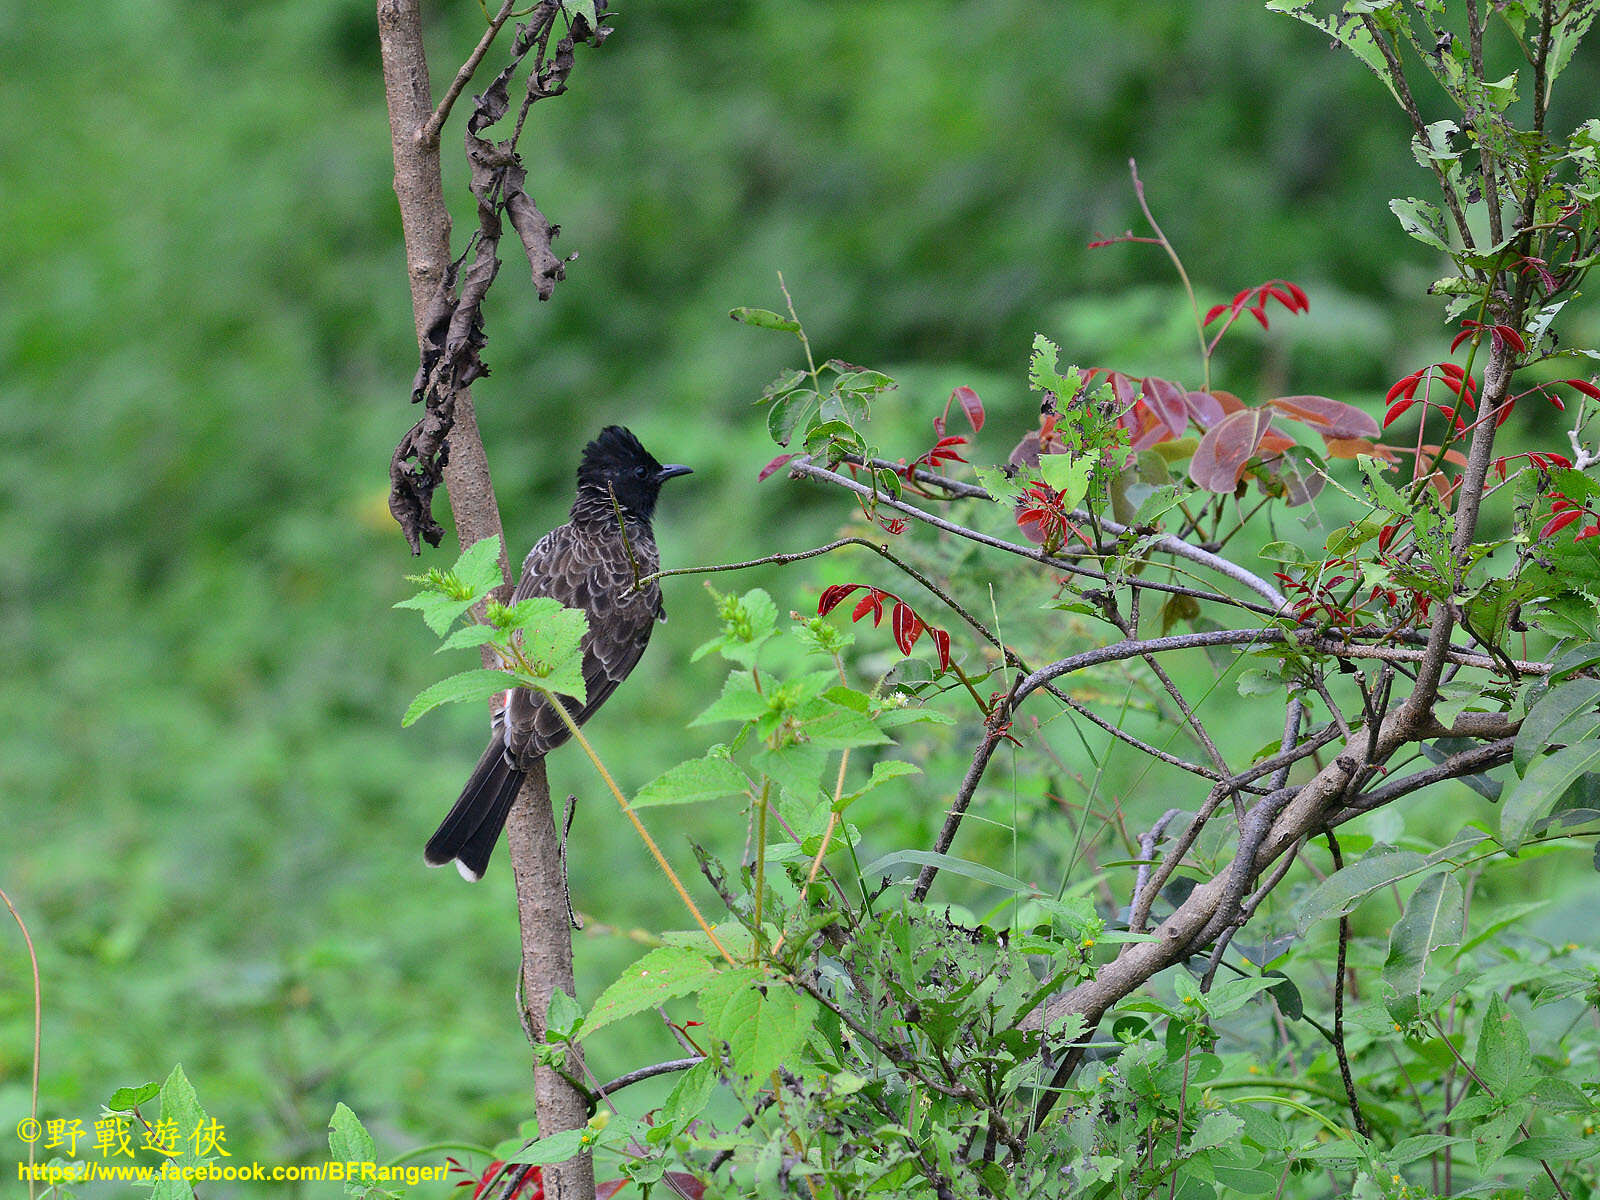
664 974
478 568
348 1138
690 1095
763 1021
477 684
691 782
841 729
438 611
739 701
882 772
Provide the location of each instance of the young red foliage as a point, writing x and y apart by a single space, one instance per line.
1254 300
906 625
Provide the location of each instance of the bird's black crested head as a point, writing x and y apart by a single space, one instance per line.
616 464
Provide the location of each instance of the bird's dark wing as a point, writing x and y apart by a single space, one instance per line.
592 571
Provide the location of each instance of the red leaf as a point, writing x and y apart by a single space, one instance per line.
773 466
1504 414
832 595
1513 337
1586 532
1406 383
1216 311
1305 305
1331 418
941 642
1588 389
1168 401
1396 411
1260 314
1205 410
1459 338
1554 399
907 627
1559 522
971 405
872 602
1219 459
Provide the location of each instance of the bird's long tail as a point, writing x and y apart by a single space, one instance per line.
470 830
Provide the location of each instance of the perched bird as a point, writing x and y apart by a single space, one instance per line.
593 563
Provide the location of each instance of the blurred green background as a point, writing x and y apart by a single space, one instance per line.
213 821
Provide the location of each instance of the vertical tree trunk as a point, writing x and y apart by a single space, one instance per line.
534 844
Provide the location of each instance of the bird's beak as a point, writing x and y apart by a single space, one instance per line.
671 470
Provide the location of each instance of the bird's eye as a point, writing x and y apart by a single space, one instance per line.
639 472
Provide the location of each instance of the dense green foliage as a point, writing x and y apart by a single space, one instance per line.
214 819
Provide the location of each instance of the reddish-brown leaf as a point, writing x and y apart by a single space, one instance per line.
1219 459
1204 408
907 627
872 603
941 643
1331 418
1168 401
833 594
773 466
971 405
1588 389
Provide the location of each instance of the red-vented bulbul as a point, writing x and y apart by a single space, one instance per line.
593 563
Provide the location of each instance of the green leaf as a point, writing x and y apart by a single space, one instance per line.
552 642
1067 474
348 1139
1432 919
841 729
1503 1055
763 318
692 781
1422 221
1284 552
126 1099
1420 1146
1560 705
690 1094
882 772
763 1021
1001 487
179 1104
1343 890
439 611
1233 994
945 862
664 974
477 684
478 568
556 1148
1544 784
1215 1129
563 1016
470 634
739 701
